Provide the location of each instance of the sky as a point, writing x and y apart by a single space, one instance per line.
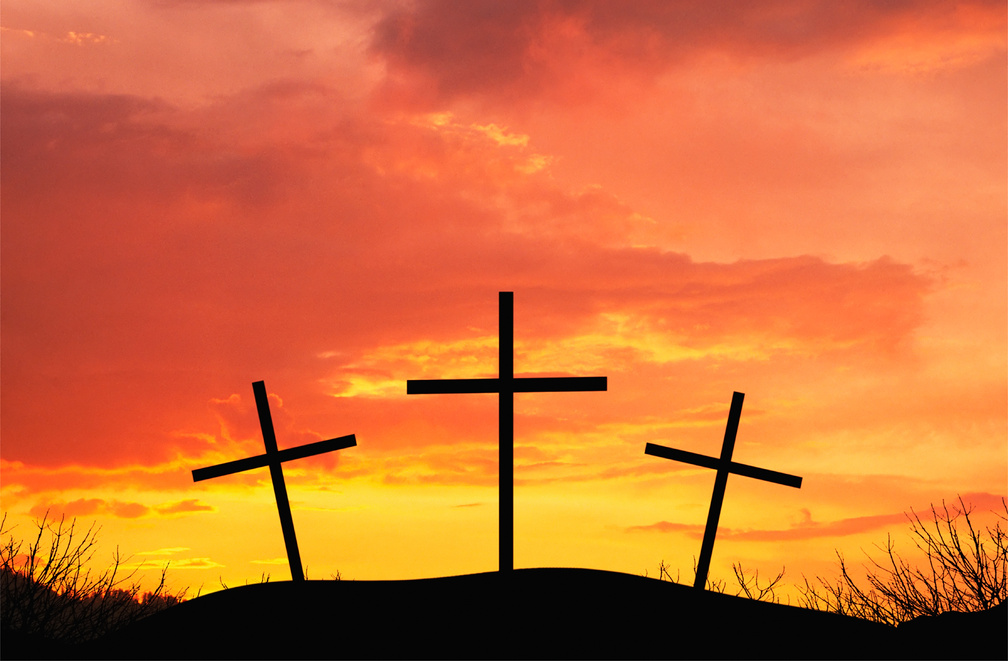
804 202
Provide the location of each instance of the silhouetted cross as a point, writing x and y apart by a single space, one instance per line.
724 465
506 385
273 458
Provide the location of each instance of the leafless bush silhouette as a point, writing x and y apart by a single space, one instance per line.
48 589
663 573
749 586
265 578
965 572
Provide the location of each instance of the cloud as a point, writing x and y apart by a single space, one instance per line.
75 38
87 38
195 563
438 51
183 507
93 507
468 463
254 256
240 433
646 306
804 530
17 32
89 507
809 529
975 503
693 530
166 551
36 478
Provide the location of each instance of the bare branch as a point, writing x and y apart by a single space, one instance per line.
965 571
54 593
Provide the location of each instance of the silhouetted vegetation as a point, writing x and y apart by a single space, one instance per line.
264 578
965 572
49 589
748 585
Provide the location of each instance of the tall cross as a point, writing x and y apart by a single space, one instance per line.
505 385
274 458
723 466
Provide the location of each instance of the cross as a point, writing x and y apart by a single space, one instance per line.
274 458
506 385
724 465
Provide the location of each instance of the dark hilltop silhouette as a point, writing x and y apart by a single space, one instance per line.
527 613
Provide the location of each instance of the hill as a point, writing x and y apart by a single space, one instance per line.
533 613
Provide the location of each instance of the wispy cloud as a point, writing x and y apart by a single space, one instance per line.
183 507
806 529
87 507
76 38
195 563
166 551
272 561
91 507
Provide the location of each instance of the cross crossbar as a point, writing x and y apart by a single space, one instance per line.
723 465
274 458
260 460
519 384
733 467
506 385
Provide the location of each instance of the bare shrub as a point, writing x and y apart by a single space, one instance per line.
265 578
49 589
965 571
663 573
749 586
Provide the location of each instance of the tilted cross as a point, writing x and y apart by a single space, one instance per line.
724 465
506 385
274 458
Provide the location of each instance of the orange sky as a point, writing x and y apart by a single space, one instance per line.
804 202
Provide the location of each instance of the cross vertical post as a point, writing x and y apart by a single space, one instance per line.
717 498
506 384
505 425
279 487
724 465
274 458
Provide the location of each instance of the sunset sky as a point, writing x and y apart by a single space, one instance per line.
806 202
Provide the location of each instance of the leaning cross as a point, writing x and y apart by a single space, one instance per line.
724 465
506 385
273 458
